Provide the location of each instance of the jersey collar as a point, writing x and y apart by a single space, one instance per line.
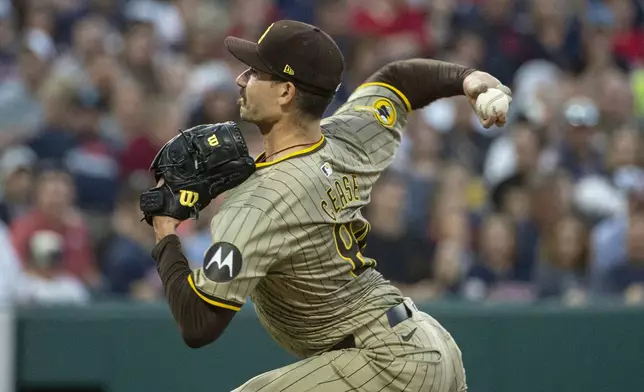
309 150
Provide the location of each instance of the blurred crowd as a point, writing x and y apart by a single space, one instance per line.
551 206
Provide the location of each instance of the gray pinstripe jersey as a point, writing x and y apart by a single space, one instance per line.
299 230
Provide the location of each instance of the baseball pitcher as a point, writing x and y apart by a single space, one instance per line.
290 232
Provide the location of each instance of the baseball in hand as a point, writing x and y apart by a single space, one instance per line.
493 102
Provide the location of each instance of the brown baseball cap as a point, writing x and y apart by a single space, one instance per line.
294 51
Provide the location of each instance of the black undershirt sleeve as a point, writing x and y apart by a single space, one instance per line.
423 81
199 322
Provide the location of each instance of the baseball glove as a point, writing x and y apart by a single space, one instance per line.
196 166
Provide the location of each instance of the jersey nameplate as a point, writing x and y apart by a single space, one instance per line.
343 191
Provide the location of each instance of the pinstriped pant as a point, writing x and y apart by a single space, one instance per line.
429 361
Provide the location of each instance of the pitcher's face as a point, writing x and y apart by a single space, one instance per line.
259 96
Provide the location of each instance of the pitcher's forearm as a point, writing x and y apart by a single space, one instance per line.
423 81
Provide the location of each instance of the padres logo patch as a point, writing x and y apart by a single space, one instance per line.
385 112
222 262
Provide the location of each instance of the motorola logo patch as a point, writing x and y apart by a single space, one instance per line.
222 262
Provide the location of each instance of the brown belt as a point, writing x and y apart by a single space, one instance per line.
395 316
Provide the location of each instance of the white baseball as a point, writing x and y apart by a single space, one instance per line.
492 102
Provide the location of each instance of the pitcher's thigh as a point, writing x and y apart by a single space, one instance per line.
345 370
449 375
300 376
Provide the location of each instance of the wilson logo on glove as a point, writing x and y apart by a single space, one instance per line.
188 198
213 141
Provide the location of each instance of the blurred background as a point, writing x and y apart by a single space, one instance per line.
544 216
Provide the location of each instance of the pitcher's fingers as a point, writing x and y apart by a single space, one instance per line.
501 120
488 122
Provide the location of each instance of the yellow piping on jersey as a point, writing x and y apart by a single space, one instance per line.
208 300
392 88
305 151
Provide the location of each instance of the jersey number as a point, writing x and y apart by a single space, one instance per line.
348 247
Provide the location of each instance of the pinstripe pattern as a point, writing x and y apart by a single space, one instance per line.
429 362
298 225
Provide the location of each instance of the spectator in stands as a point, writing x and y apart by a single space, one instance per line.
21 112
456 193
70 13
557 33
610 237
629 35
55 214
126 119
332 17
104 73
598 52
616 102
551 197
451 251
164 16
126 260
165 119
578 155
506 46
600 197
47 282
93 160
38 15
626 149
466 142
450 228
510 170
400 255
138 56
89 41
19 288
520 151
8 61
250 18
362 60
563 272
131 121
512 194
16 175
54 138
512 198
493 276
209 69
391 20
627 278
216 105
423 166
539 91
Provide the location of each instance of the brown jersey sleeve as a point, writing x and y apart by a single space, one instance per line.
421 81
246 243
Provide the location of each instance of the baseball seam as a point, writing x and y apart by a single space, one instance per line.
491 101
